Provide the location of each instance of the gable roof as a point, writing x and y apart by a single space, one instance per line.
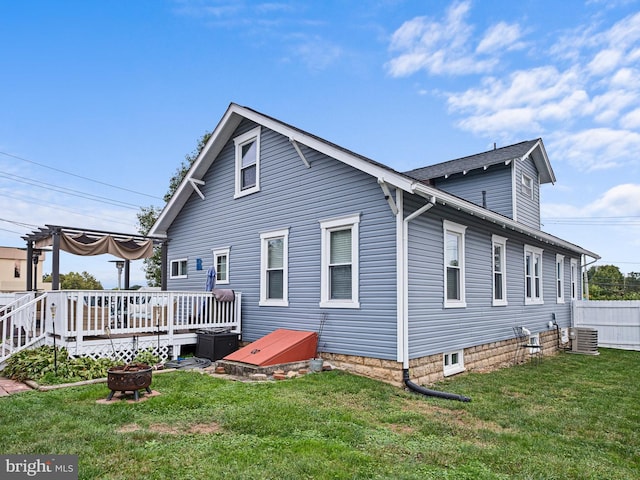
385 175
533 148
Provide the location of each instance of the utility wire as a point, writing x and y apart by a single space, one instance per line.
59 207
69 191
79 176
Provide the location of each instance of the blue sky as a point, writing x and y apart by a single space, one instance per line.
100 101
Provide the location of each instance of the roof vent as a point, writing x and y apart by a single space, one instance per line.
585 341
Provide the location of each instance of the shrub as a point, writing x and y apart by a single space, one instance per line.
40 365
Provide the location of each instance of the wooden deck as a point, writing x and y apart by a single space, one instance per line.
101 323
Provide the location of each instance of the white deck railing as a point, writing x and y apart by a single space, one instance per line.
81 314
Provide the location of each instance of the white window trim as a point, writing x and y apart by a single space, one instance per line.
239 141
178 261
502 241
328 226
452 368
527 184
533 300
460 230
220 252
560 278
264 242
574 279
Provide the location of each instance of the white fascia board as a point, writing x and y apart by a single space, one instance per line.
444 198
225 128
542 162
376 171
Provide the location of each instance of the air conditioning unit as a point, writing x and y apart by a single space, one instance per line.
584 340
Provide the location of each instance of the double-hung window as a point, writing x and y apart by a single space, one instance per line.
178 268
499 270
527 186
532 275
454 268
274 277
559 278
574 279
247 148
221 262
339 286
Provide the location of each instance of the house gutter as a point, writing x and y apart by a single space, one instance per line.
403 261
403 299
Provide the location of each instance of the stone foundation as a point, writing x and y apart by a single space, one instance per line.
428 370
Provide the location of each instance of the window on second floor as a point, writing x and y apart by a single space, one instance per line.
527 186
454 265
247 148
499 270
178 268
560 278
274 272
533 275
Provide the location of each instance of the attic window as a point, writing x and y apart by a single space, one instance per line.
247 163
527 186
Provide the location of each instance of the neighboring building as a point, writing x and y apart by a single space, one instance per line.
13 270
427 270
13 273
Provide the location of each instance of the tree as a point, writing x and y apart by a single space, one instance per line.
148 215
77 281
606 282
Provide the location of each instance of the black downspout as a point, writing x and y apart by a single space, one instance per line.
431 393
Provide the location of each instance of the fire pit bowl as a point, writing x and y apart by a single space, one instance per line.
129 378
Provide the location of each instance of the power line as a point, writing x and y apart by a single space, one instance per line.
69 191
62 208
79 176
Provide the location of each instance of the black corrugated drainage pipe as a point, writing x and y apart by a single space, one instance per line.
431 393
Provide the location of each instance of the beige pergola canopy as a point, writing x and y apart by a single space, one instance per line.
86 242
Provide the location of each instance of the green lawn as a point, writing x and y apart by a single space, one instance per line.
572 416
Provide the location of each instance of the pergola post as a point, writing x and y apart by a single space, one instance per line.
29 266
55 261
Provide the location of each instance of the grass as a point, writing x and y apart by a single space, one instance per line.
570 417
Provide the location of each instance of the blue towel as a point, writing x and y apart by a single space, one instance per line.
211 279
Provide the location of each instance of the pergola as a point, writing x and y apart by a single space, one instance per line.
87 242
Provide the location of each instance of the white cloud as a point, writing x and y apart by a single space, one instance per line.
621 200
596 148
631 120
499 36
605 62
317 53
444 48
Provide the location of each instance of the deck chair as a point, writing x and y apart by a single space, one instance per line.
525 343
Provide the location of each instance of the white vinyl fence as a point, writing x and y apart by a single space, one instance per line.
617 322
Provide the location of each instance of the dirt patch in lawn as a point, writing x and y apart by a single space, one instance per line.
198 428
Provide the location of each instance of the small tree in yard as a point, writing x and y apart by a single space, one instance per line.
148 215
77 281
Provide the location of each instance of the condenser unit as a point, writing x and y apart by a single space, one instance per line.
584 340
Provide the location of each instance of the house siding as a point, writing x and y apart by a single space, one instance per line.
495 182
527 209
434 329
298 198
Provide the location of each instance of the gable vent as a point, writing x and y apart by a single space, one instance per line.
585 341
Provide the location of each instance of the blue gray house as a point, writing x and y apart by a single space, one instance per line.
426 271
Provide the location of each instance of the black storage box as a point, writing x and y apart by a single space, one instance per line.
215 346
